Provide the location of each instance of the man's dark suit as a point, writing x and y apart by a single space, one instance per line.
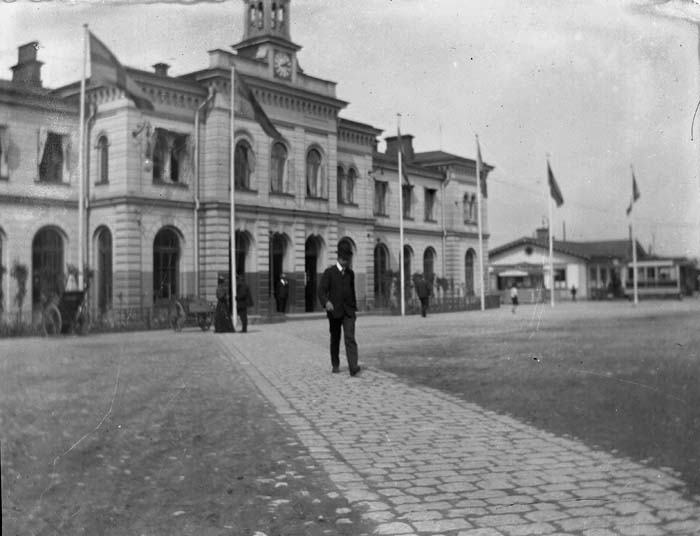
339 288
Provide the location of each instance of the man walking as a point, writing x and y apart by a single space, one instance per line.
281 293
337 295
423 292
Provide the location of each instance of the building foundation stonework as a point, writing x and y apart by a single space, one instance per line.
158 174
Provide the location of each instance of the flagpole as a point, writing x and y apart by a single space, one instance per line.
81 166
551 244
479 226
232 200
401 251
634 245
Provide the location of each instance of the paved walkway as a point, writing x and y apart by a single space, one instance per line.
417 461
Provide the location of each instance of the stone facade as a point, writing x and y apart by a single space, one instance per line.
157 183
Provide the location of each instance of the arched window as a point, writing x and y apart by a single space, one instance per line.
407 254
244 165
103 159
429 263
47 265
104 270
469 258
278 167
166 260
314 182
350 186
382 283
341 185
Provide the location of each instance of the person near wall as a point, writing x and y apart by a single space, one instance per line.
573 292
282 293
336 293
423 292
244 299
222 316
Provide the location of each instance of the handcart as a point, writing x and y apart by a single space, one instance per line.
66 313
192 310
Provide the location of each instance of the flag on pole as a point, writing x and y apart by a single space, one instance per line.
106 69
403 157
635 194
479 167
554 190
260 115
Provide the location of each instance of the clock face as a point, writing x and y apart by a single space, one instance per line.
283 65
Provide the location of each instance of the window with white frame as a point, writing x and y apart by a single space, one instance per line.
560 278
340 184
278 168
350 186
172 157
315 174
54 157
406 200
4 153
380 190
244 165
430 196
103 159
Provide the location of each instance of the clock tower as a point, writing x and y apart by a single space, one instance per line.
266 37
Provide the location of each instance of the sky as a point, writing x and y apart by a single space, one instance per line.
601 89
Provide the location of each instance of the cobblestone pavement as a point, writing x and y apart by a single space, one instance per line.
417 461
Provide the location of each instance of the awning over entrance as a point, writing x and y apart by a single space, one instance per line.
512 273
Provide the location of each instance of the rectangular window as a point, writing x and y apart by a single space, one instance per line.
172 157
430 196
380 188
560 278
406 191
52 156
4 149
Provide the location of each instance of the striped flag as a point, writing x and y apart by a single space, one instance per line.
554 190
635 194
106 69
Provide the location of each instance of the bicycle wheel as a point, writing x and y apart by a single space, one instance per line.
51 320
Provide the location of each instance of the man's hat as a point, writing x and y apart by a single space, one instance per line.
344 250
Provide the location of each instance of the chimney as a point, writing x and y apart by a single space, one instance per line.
392 146
542 233
28 69
161 69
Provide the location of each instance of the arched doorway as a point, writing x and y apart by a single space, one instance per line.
469 272
47 265
104 270
166 264
278 249
382 283
312 252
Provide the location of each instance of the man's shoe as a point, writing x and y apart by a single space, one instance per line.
355 371
336 370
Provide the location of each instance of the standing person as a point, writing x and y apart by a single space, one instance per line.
281 293
243 300
514 296
337 295
222 316
423 291
573 292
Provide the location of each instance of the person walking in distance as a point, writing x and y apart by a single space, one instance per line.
514 296
243 300
336 293
573 292
222 317
281 293
423 292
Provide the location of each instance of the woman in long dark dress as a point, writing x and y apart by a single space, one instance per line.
222 317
